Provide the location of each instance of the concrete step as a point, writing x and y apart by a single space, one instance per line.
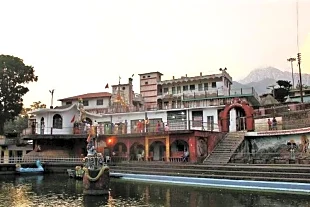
220 172
234 177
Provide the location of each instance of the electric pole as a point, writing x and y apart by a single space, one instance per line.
300 81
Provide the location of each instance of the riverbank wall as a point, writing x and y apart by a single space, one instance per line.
286 172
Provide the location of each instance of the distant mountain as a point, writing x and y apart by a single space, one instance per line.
260 79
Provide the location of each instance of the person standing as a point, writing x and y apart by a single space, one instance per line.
274 123
147 124
269 124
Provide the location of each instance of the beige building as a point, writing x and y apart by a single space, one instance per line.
149 89
172 93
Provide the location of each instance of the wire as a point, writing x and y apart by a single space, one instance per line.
297 25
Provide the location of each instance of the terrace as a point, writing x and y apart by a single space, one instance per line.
214 94
123 129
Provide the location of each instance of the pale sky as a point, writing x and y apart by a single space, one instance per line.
78 46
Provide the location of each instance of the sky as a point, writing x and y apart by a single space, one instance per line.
78 47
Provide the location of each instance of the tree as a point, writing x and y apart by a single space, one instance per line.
13 75
283 90
35 105
21 122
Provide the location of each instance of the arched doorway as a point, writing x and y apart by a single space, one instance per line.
42 125
135 149
120 149
237 116
157 150
178 147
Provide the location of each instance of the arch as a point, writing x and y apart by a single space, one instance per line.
237 103
57 121
157 150
135 149
179 146
120 149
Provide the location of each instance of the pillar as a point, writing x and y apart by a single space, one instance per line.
167 147
146 146
6 156
192 149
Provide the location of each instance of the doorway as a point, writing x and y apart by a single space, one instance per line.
42 125
236 119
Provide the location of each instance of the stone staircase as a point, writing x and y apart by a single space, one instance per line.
225 148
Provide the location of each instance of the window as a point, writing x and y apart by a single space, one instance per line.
173 90
85 103
185 88
165 90
144 76
68 102
205 85
200 87
124 88
146 83
192 87
179 89
210 122
57 121
197 118
99 102
148 76
213 84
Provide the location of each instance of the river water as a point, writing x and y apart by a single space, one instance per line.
59 190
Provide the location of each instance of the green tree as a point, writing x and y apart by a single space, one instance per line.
283 90
14 74
16 126
35 105
21 122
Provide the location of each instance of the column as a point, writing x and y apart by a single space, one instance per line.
6 156
146 148
167 148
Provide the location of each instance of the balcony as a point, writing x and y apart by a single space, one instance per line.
213 94
124 129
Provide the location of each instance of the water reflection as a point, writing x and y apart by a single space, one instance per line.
58 190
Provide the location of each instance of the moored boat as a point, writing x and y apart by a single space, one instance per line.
30 170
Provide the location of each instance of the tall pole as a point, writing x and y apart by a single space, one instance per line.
300 81
52 99
292 60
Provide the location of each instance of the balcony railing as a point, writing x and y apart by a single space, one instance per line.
122 128
212 93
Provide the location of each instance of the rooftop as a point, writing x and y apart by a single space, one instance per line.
87 96
150 73
195 78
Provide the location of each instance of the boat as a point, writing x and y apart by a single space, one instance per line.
30 170
78 173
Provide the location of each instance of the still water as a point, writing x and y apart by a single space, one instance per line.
59 190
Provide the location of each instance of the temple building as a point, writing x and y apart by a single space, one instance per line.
167 118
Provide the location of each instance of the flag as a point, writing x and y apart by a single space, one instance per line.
73 118
107 86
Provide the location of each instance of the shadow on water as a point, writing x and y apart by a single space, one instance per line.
59 190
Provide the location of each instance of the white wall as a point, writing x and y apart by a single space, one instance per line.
158 115
92 103
67 126
211 112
